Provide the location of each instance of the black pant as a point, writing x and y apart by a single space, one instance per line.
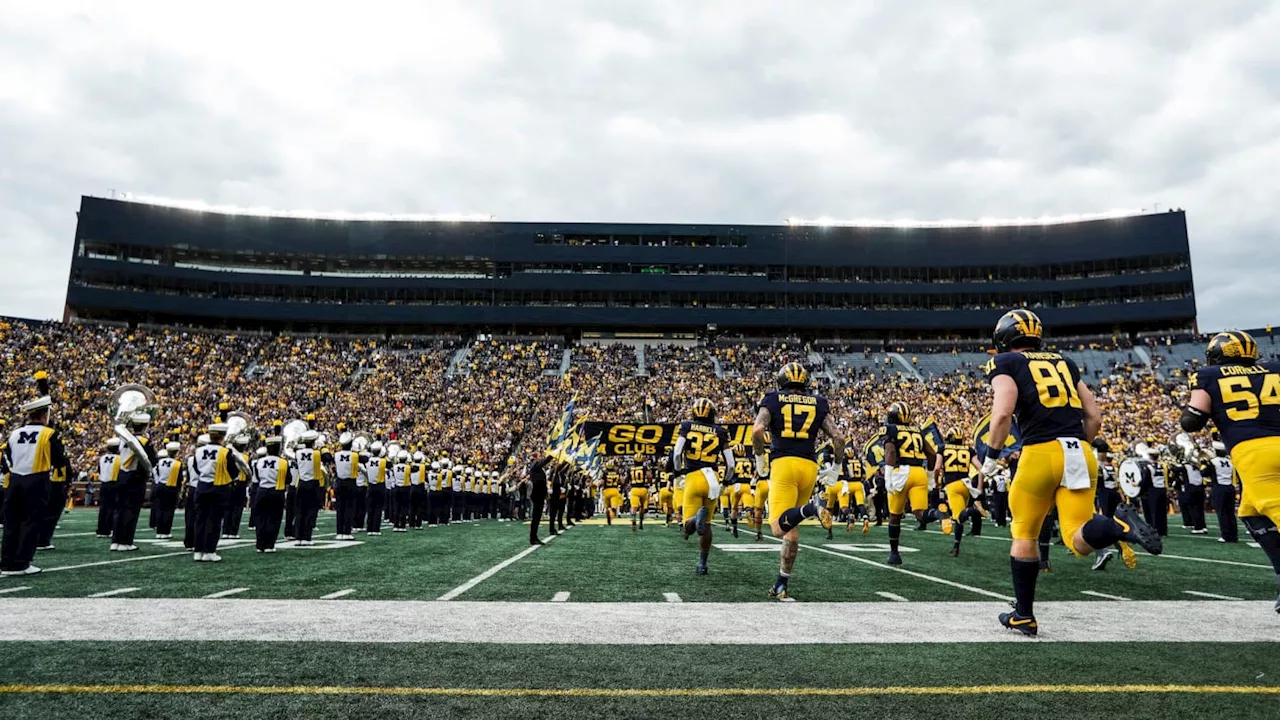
25 507
290 512
1193 506
164 502
444 508
417 505
1108 500
253 505
310 495
131 491
235 508
1224 504
270 509
53 512
400 507
189 520
1155 509
539 499
107 507
558 503
211 505
373 513
361 503
1000 509
344 496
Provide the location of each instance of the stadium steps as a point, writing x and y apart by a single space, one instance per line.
1144 356
459 361
640 361
716 362
565 361
905 365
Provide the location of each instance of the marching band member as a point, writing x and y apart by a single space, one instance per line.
239 494
189 504
377 481
216 471
132 490
309 463
33 453
347 468
165 489
271 475
457 499
417 490
108 477
400 485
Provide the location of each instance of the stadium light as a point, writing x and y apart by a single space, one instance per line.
202 206
828 222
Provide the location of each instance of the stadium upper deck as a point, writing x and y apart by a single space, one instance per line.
141 261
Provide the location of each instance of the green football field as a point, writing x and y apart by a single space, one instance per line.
469 621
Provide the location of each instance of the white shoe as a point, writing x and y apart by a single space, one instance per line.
212 557
270 550
128 548
233 537
1201 531
115 547
31 570
198 557
374 534
261 550
46 547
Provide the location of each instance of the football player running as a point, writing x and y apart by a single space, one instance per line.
792 416
700 446
1242 397
961 482
1059 417
906 455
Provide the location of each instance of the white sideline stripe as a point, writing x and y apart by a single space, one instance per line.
20 588
492 571
891 596
224 593
1104 595
115 562
562 596
672 597
1211 596
912 573
59 536
755 623
339 594
1140 551
117 591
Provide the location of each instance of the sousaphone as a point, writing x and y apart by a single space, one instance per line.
124 402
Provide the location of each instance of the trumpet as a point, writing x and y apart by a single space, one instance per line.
123 403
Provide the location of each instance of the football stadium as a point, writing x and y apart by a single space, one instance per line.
459 467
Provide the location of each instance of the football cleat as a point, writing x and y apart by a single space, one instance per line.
824 517
1104 557
759 536
1025 625
866 525
735 531
894 559
779 593
1045 567
955 550
1136 530
700 569
947 525
1128 555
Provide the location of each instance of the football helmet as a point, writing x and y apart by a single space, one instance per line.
1018 329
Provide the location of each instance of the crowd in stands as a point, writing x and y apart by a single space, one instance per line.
492 405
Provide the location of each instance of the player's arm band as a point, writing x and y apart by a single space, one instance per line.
993 453
1193 419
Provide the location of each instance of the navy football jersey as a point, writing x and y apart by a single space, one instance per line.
956 461
909 441
1049 405
794 420
1246 400
704 445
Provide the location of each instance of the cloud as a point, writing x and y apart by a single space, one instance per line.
723 111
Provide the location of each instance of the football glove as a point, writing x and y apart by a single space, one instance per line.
762 466
990 467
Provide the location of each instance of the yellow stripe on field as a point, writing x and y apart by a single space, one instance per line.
636 692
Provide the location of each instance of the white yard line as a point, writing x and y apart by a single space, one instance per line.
755 623
912 573
1211 596
111 593
224 593
339 594
20 588
1140 551
493 570
562 596
671 597
1104 596
891 596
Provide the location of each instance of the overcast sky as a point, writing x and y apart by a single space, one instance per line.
679 110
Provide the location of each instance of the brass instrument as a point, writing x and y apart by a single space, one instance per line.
291 434
360 441
123 403
240 425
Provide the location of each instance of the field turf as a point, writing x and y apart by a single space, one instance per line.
926 669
